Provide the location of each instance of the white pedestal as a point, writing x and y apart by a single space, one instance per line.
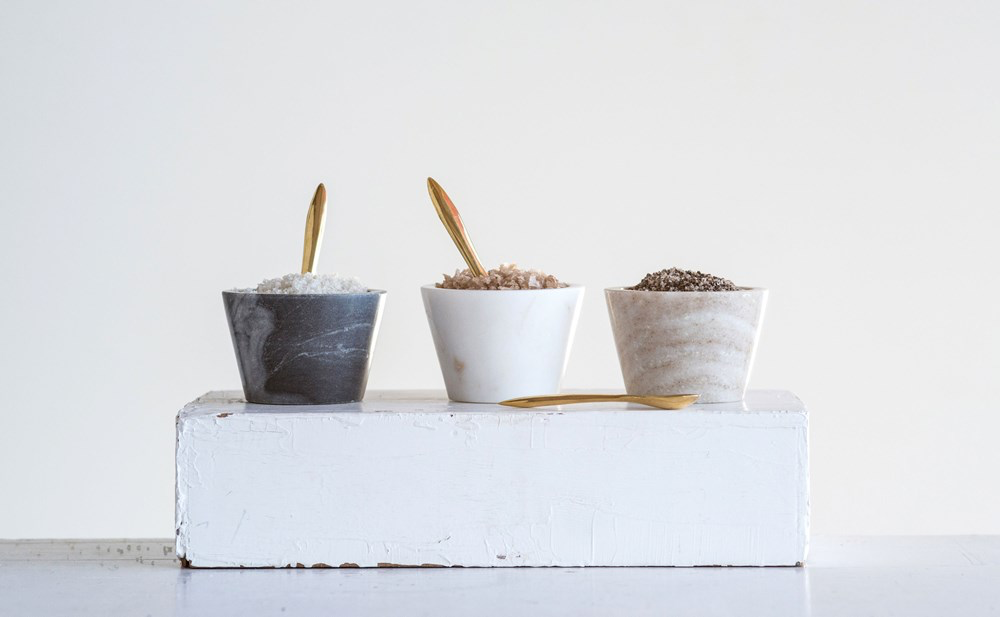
406 478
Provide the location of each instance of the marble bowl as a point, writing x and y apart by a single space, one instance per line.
687 342
499 344
308 349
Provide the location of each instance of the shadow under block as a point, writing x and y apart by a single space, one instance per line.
409 479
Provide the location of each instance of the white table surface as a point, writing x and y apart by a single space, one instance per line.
912 576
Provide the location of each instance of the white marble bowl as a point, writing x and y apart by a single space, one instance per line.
499 344
687 342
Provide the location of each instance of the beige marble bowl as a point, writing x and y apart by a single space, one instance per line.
687 342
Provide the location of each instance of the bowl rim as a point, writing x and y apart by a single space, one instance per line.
568 287
623 289
253 292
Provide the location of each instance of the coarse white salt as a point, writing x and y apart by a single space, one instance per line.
310 283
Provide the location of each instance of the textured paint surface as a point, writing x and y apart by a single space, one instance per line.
304 349
687 341
420 481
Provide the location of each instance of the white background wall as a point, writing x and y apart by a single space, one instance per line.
843 154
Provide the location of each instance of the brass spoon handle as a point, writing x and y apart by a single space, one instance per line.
670 401
448 214
315 221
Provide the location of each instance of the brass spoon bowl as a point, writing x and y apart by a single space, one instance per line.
315 222
449 215
670 401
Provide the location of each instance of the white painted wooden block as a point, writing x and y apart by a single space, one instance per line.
406 478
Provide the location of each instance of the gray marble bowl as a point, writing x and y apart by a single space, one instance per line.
304 349
687 342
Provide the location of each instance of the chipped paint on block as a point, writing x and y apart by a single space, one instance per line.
409 480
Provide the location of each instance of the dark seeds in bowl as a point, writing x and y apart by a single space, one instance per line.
676 279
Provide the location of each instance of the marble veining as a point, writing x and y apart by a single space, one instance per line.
687 342
304 349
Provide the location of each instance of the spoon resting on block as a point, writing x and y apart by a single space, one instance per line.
670 401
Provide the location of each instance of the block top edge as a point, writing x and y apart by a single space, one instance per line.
435 401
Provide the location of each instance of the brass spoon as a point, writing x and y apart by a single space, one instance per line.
670 401
448 214
315 221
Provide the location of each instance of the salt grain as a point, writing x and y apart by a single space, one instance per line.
676 279
310 283
507 276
